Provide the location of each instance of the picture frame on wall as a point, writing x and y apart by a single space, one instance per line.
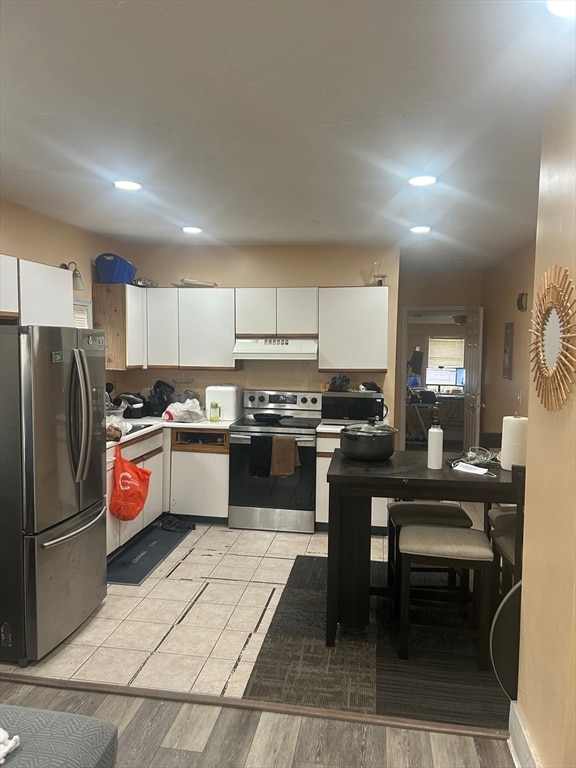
508 350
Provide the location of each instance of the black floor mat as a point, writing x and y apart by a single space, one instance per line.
134 562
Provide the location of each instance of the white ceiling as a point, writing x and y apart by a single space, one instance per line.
284 121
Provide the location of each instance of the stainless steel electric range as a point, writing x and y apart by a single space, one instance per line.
258 498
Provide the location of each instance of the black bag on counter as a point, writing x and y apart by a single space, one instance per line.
160 397
339 383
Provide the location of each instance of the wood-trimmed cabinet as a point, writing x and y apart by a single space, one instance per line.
206 331
353 328
276 311
9 304
326 444
199 477
120 311
146 451
45 295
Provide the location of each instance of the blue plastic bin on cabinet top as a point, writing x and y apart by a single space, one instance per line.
111 268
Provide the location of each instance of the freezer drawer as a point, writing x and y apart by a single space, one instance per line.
65 579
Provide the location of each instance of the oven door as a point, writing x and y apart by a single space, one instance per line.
271 503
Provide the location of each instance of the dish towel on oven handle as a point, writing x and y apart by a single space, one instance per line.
285 456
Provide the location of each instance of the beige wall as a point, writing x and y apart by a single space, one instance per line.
34 237
29 235
547 684
500 288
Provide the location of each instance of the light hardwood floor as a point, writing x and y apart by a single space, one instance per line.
168 733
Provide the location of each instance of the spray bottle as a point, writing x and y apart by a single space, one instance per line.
435 441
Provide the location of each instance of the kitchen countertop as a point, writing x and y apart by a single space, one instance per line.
154 422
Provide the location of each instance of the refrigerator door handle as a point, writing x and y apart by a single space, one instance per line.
83 381
77 532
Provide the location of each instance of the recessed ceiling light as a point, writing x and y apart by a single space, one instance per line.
564 8
191 230
422 181
131 186
419 230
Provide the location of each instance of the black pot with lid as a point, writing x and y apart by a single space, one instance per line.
368 441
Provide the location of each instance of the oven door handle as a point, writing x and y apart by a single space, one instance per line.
243 439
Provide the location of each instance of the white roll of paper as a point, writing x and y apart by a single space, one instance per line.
514 434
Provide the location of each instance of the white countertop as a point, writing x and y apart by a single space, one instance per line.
154 422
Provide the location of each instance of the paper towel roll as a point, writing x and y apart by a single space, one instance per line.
514 433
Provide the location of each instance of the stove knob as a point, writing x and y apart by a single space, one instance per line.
304 399
261 398
314 400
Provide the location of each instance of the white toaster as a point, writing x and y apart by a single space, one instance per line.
229 398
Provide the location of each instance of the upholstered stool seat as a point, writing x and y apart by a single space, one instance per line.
51 739
446 546
402 513
500 513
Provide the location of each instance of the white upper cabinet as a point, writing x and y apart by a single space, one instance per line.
276 311
120 311
45 295
256 311
162 326
8 284
206 327
353 328
297 311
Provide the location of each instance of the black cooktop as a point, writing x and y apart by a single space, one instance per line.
284 424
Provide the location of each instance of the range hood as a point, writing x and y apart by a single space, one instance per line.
276 348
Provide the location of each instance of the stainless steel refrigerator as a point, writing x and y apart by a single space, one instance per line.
52 486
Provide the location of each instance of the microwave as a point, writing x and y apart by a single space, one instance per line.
352 406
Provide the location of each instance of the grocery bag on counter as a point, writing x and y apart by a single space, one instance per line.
189 410
130 489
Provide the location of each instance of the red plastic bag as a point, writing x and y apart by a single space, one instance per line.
130 488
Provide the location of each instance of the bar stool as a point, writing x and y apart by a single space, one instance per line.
419 513
446 547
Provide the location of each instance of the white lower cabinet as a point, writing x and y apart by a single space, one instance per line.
325 446
199 480
146 452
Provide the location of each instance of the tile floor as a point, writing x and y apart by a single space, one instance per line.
197 622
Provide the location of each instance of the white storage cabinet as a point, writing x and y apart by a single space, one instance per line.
199 479
206 327
353 328
45 295
326 444
145 451
8 285
162 327
277 311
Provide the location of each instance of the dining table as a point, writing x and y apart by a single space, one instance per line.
404 476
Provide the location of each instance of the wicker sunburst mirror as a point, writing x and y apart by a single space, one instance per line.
553 347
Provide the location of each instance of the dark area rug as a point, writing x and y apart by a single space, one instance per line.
134 562
362 673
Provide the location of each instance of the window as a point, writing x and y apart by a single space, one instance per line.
445 352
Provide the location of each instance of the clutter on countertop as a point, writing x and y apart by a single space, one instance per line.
339 383
369 386
189 410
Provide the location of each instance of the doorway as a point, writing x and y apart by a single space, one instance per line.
458 407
